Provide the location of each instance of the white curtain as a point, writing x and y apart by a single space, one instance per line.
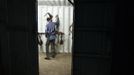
66 18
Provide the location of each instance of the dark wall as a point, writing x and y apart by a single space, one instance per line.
101 37
19 54
92 37
3 46
122 62
22 28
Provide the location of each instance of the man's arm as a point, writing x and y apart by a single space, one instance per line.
51 16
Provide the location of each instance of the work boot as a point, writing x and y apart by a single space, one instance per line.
47 58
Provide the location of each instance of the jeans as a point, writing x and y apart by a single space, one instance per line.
53 51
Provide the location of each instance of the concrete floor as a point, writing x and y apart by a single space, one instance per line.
61 65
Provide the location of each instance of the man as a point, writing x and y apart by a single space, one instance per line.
50 35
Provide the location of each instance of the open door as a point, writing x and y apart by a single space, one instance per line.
62 13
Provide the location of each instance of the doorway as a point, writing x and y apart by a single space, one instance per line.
61 63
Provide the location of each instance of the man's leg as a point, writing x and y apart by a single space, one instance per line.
47 49
53 48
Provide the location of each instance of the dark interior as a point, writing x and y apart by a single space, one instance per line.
102 37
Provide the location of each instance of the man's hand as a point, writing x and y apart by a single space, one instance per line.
51 16
47 13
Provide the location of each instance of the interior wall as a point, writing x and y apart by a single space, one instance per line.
66 18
